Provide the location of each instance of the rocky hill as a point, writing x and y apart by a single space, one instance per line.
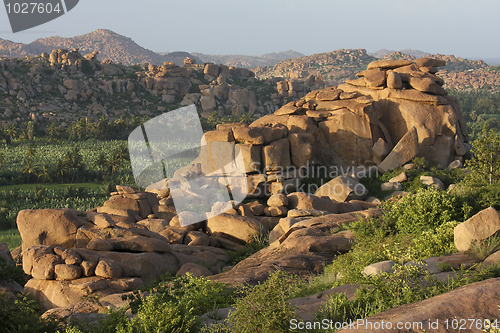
64 86
383 52
337 66
334 66
110 45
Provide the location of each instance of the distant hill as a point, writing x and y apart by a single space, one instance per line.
333 66
269 59
289 54
109 44
337 66
382 53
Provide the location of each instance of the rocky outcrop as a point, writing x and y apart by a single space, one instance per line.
437 313
88 87
393 112
477 229
306 247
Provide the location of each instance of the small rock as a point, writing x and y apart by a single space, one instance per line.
277 200
432 182
125 189
379 267
408 166
391 186
108 269
64 272
455 165
195 269
88 267
399 178
276 211
373 200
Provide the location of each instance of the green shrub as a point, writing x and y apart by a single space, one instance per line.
21 315
173 305
265 307
425 210
261 241
407 284
482 249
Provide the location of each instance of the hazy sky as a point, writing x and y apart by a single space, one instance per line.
467 28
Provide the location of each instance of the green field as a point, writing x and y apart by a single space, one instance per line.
32 187
11 238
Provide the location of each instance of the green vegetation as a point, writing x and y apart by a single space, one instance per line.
80 198
173 307
10 237
480 108
64 162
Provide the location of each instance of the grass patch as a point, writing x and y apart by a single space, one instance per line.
31 187
11 237
482 249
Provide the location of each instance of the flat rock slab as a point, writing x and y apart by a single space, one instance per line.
477 301
52 293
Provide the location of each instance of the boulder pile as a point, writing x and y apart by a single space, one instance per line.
135 237
396 110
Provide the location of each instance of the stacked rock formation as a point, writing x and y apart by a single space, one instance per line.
394 112
72 59
136 237
335 128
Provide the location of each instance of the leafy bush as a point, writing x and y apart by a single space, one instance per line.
427 209
172 306
407 284
261 241
264 308
21 315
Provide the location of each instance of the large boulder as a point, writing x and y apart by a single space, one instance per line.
240 228
54 293
49 227
404 151
478 228
443 313
341 189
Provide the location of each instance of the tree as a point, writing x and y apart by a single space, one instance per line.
53 131
77 129
485 163
61 170
11 133
30 151
29 168
44 174
30 130
73 161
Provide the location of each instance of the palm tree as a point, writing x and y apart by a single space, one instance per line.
113 163
61 170
44 174
38 193
101 161
30 130
11 132
29 168
53 131
73 160
30 152
122 154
